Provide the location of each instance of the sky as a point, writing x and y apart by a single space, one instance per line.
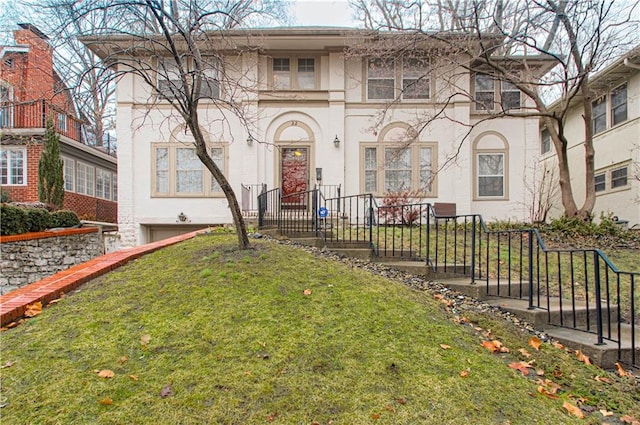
334 13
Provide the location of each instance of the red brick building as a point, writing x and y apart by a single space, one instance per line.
30 93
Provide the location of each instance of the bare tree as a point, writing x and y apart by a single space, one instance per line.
579 36
175 48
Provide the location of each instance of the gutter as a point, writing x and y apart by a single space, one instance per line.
630 64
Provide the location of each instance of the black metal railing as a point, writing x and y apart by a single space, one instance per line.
578 288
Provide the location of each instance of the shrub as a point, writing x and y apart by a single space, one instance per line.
5 196
14 220
397 208
64 218
38 219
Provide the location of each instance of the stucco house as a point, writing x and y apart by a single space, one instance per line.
616 126
31 91
315 118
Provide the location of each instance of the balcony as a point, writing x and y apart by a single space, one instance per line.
34 114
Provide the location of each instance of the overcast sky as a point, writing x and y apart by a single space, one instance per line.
333 13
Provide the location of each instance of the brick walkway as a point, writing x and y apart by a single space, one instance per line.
13 304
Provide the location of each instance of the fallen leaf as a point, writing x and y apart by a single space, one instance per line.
106 401
106 373
375 416
401 400
271 417
620 370
464 373
489 345
306 292
133 377
603 379
535 342
583 358
629 420
540 372
389 408
145 339
524 352
543 390
54 301
123 359
7 364
521 366
166 391
605 413
33 309
557 345
495 346
574 410
445 346
557 373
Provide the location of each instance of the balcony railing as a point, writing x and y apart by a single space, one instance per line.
34 115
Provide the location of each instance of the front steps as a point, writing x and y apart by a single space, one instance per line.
511 298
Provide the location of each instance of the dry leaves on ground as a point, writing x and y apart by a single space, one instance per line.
521 366
106 373
33 309
495 346
583 357
535 342
574 410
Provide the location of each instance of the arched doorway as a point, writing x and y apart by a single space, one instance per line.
294 141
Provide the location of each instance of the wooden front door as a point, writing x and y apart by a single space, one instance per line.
295 175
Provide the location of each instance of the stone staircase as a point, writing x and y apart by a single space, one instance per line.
513 298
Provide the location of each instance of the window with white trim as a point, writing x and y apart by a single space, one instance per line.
599 118
612 179
178 172
85 179
509 96
306 73
13 166
69 174
619 177
489 93
490 175
388 167
484 92
600 182
103 184
619 105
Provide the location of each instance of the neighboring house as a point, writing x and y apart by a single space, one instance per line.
30 93
314 110
616 142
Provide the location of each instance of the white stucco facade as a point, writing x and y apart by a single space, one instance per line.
311 119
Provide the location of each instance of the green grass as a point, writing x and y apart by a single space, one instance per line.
238 342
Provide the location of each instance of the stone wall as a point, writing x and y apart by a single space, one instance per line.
30 257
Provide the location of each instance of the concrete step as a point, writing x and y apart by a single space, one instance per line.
331 245
605 355
420 268
560 312
482 291
361 253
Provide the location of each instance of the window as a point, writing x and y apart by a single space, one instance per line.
389 168
381 81
599 115
177 171
509 96
618 177
115 187
9 63
491 175
601 182
484 92
85 179
6 110
415 78
281 74
62 122
13 167
616 174
69 174
306 73
545 141
103 184
170 83
293 73
619 105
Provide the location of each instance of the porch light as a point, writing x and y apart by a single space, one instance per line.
336 142
249 140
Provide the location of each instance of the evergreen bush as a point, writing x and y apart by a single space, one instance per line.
50 169
64 218
14 220
38 219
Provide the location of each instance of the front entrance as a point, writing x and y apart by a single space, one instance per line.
295 176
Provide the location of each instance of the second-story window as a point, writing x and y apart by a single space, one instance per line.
281 73
619 105
599 118
484 92
545 141
306 73
509 96
170 83
415 78
381 82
